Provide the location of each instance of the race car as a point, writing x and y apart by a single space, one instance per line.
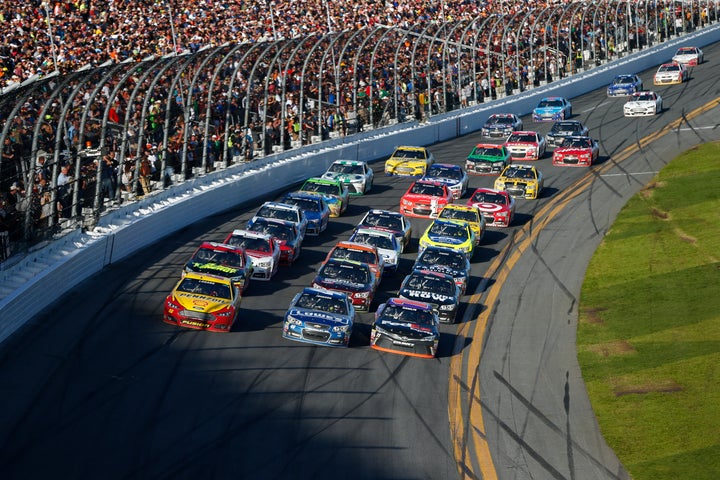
623 85
670 74
451 234
203 302
282 211
500 125
451 175
445 260
356 175
222 260
315 208
435 288
465 213
487 159
496 206
409 161
552 109
334 192
406 327
359 252
355 279
690 56
320 316
263 250
643 104
526 145
524 181
563 129
286 234
386 243
425 198
576 152
393 222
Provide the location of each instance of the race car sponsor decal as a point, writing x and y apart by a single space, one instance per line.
431 295
488 207
216 267
319 315
194 323
442 239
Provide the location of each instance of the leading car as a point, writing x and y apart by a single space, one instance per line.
321 317
356 175
203 302
690 56
406 327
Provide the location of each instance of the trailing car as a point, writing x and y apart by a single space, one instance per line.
563 129
487 159
356 175
524 181
203 302
219 259
355 279
286 234
689 56
409 161
394 222
445 260
623 85
358 252
468 214
282 211
315 208
263 250
552 109
321 317
643 104
671 73
451 234
526 145
406 327
496 206
576 152
435 288
334 192
451 175
425 198
386 243
500 125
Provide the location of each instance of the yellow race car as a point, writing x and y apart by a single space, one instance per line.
453 234
522 181
409 161
465 213
203 302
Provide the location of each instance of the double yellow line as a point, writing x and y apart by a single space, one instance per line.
467 427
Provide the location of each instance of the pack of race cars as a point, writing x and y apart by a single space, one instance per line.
215 278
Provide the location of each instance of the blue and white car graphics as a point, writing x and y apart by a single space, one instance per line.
453 176
386 243
551 109
315 208
321 317
623 85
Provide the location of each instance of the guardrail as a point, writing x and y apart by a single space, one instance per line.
41 277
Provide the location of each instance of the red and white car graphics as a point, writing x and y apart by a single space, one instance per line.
671 73
263 250
690 56
425 198
576 152
496 206
526 145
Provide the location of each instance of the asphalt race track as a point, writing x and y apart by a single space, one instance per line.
100 387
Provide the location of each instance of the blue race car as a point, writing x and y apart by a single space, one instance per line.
624 85
552 109
434 288
451 175
445 260
320 316
315 208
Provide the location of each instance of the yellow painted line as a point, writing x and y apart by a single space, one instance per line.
467 428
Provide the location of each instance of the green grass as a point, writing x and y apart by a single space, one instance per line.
649 332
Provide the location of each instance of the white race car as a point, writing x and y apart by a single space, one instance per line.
641 104
689 56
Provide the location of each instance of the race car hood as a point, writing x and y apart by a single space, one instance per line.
561 133
572 151
521 144
640 103
405 329
446 181
446 240
343 177
395 162
485 158
329 197
489 207
256 255
454 272
215 269
428 297
547 110
340 284
684 58
199 303
416 197
314 316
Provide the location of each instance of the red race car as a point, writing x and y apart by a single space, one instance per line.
576 152
497 206
526 145
425 198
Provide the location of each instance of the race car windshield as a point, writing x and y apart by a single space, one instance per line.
685 51
277 230
466 215
520 173
624 80
427 283
279 213
203 287
488 151
406 315
249 243
448 230
565 127
454 260
444 172
522 138
363 256
643 98
427 189
500 120
347 273
218 257
325 188
577 143
380 242
418 154
489 197
385 221
669 68
305 204
344 169
550 103
312 301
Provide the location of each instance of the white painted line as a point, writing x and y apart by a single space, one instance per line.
709 127
628 174
596 106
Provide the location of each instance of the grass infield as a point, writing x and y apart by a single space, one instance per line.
649 328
